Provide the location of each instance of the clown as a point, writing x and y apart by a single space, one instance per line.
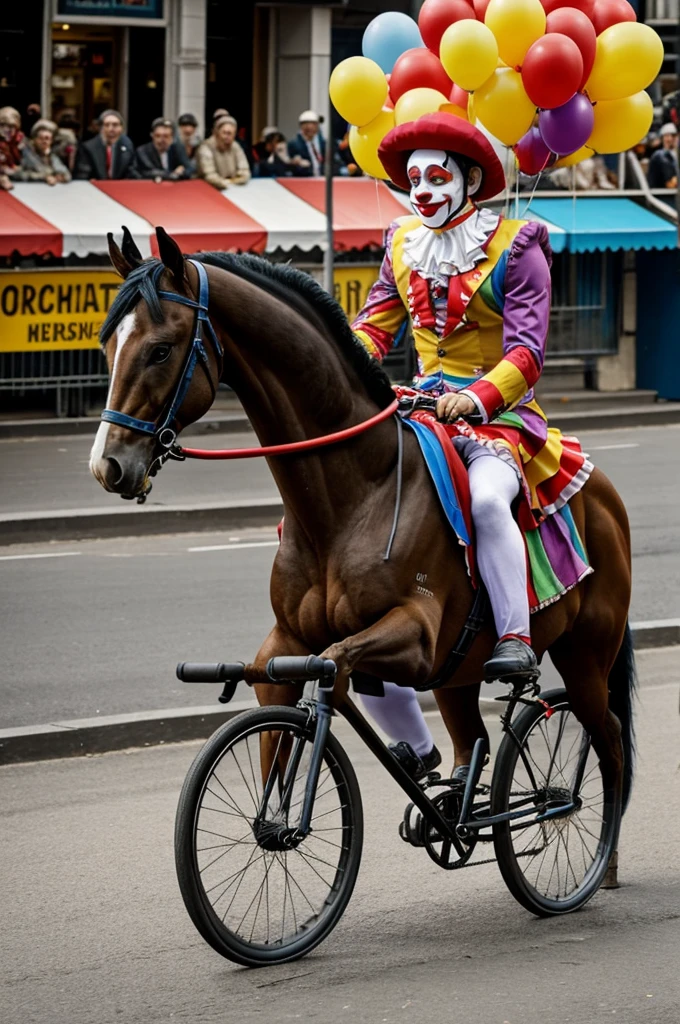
476 288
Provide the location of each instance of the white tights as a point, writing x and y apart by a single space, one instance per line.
502 565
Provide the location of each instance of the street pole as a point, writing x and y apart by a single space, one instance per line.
328 281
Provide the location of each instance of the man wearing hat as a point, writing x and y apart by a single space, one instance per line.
663 166
476 288
308 149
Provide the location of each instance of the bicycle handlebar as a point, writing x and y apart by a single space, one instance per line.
214 672
299 669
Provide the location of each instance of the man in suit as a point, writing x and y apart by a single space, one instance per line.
307 150
109 155
162 159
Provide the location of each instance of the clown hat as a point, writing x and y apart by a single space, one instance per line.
446 132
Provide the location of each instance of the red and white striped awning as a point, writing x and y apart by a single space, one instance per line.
264 215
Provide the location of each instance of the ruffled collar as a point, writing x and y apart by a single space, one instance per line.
437 255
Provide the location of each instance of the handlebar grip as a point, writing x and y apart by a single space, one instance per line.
298 669
214 672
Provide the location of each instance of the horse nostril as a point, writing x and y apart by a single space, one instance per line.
114 472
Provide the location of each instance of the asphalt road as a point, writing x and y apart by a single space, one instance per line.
97 627
94 930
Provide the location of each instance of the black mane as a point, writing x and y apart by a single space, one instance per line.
297 289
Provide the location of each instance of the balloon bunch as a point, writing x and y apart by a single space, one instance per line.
557 80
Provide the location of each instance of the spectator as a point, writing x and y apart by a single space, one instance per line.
308 149
33 115
220 159
38 160
11 145
162 159
188 138
588 175
348 165
274 161
663 166
110 154
65 142
671 108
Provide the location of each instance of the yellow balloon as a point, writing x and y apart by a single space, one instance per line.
628 58
620 124
516 24
471 111
358 88
469 53
364 143
452 108
416 102
574 158
503 106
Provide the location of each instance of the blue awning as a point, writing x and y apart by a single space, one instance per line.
586 225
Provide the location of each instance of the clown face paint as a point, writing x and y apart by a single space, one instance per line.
437 186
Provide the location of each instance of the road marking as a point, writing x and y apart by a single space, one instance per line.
610 447
46 554
236 547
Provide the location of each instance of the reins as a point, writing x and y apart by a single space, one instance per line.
292 447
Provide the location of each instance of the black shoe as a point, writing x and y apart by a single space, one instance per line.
417 767
510 658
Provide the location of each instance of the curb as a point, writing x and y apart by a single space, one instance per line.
137 521
87 736
604 418
235 422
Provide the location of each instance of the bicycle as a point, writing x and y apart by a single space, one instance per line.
285 814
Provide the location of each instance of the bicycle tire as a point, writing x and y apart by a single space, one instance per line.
233 947
527 894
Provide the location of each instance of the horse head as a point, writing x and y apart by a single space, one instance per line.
155 335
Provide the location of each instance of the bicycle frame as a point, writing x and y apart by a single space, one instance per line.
472 820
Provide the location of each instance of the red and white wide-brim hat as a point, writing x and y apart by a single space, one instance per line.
447 132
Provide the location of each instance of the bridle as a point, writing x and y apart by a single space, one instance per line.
162 430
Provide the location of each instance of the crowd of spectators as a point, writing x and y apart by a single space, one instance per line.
54 151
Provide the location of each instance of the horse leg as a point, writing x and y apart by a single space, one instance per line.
269 694
459 707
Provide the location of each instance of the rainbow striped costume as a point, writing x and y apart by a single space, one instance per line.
483 331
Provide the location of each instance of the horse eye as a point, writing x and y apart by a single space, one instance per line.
160 354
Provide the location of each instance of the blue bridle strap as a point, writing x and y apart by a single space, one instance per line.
202 327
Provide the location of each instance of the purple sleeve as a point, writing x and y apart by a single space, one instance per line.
526 313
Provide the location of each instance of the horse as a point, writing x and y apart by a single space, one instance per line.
285 347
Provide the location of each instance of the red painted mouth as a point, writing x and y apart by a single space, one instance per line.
430 209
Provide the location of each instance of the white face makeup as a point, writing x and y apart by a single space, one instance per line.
437 186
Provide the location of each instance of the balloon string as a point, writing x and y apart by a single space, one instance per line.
533 190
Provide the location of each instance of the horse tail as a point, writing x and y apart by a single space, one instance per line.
622 691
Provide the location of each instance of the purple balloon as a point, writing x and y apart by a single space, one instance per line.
565 129
533 156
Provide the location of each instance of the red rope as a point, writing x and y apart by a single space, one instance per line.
295 446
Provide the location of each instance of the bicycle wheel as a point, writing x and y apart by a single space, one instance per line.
256 905
555 866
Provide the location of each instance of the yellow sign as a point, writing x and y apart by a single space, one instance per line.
352 285
55 310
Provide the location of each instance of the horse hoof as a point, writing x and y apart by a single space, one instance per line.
611 879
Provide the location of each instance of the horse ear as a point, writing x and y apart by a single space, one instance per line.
120 263
129 248
171 255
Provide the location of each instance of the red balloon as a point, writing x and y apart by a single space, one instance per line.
573 23
480 7
436 16
611 12
586 6
416 69
460 97
552 70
